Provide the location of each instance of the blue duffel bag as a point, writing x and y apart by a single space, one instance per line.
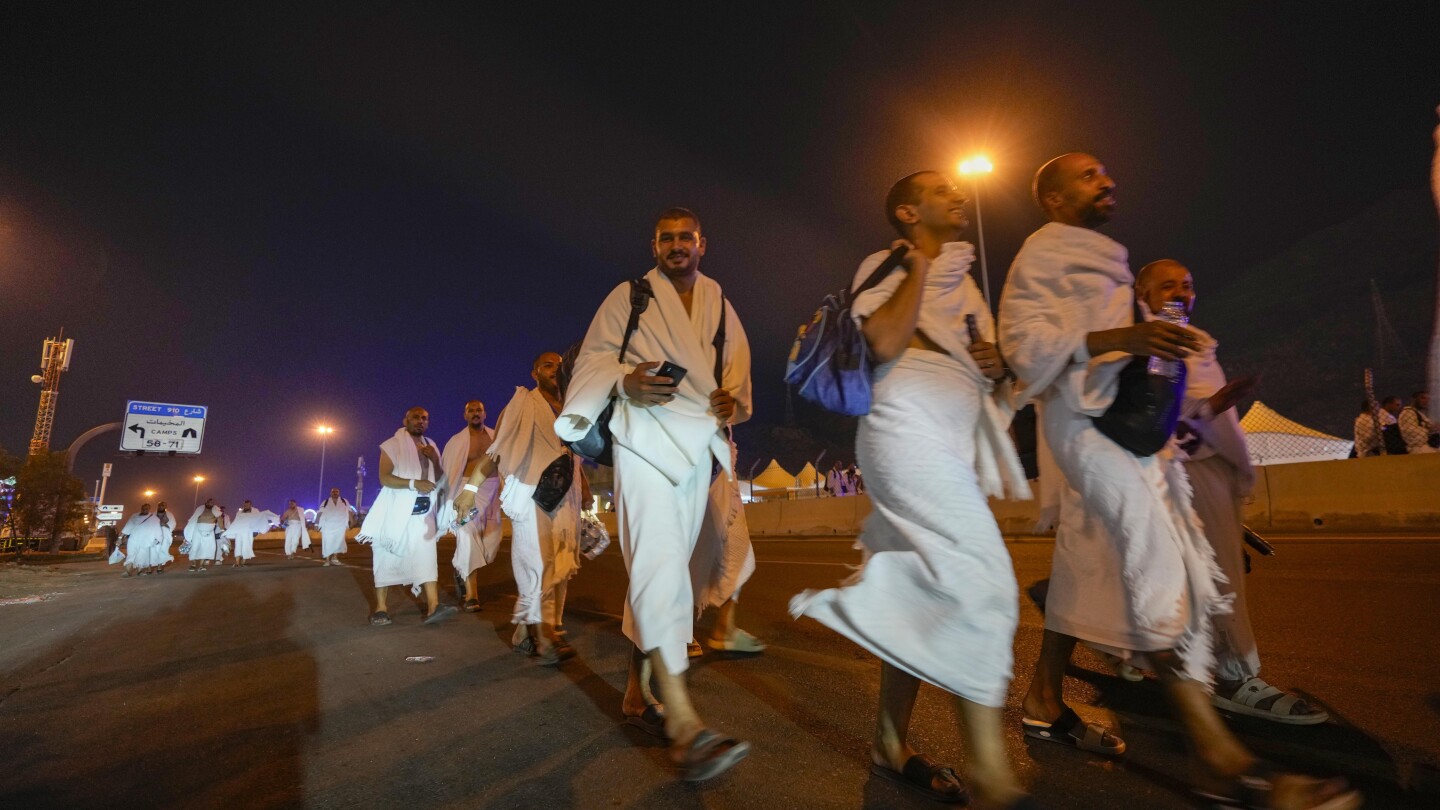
830 362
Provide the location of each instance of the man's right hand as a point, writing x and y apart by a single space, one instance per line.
423 486
914 260
464 502
1155 339
648 390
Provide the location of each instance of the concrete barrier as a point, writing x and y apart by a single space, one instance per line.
1384 494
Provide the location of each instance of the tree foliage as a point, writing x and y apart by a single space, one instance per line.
48 499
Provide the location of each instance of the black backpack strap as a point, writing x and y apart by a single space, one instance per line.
640 294
719 344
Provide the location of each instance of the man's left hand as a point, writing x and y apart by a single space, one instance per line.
987 357
722 404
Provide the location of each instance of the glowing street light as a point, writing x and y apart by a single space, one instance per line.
149 493
974 168
324 431
197 480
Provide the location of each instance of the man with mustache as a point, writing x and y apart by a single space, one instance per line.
668 431
400 525
935 600
478 541
1132 570
1212 446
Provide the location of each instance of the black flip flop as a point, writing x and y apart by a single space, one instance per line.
920 775
651 721
472 605
1069 729
379 618
710 755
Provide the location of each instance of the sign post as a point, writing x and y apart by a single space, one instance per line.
158 427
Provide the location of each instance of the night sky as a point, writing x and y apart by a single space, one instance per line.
332 213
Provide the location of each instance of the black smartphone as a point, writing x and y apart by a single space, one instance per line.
674 372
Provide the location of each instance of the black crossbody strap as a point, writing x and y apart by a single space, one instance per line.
719 344
640 293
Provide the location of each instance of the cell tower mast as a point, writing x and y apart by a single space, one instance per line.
54 360
359 482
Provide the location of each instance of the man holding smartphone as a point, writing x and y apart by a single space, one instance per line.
669 429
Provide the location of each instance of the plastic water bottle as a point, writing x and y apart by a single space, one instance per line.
1172 312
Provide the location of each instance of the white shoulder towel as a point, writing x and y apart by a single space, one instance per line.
673 437
388 522
195 518
525 441
951 294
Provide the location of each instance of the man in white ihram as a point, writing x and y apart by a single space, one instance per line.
936 598
1211 444
400 525
146 543
478 541
1131 570
297 536
544 545
667 433
248 522
333 518
202 533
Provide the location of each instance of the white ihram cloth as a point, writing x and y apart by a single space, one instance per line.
544 546
404 543
662 453
244 528
147 542
936 596
204 538
477 543
296 535
1131 568
724 558
1217 462
333 518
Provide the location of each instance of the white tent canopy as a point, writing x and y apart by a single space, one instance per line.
1274 439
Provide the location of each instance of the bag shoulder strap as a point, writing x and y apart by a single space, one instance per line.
719 343
640 294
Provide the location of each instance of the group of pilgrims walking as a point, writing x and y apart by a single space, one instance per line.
1147 566
210 535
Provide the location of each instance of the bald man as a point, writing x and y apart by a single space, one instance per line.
1212 446
544 542
401 523
1131 569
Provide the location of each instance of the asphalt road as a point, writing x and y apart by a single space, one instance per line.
266 687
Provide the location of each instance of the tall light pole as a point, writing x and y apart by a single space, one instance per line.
973 168
324 431
197 479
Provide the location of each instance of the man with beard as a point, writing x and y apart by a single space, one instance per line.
202 532
668 431
936 598
477 542
297 536
333 518
401 523
1217 462
146 543
544 542
1132 570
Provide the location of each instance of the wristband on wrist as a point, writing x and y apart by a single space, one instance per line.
410 484
471 488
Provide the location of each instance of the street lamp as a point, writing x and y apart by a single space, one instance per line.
324 431
149 493
974 167
197 479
